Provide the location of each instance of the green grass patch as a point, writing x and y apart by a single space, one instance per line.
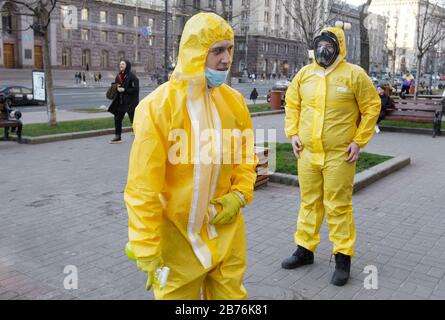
401 124
259 107
42 129
287 163
90 110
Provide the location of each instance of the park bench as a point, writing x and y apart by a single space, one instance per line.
7 122
424 109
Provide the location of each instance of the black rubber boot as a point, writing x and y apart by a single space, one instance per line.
300 257
342 269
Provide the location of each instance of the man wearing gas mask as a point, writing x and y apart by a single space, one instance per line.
331 111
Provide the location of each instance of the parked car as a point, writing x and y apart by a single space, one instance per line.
18 95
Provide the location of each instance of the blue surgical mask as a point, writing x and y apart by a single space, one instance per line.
215 78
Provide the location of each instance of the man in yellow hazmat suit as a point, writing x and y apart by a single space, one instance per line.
183 210
331 111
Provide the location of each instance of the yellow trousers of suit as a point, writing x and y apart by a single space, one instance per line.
326 189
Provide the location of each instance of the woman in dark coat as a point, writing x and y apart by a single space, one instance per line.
254 95
126 99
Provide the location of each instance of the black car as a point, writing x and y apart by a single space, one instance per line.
17 95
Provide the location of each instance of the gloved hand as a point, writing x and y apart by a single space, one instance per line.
149 266
230 204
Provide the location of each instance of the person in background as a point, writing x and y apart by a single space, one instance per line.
387 103
254 95
408 81
126 100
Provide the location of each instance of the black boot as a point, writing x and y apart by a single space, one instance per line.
300 257
116 139
342 269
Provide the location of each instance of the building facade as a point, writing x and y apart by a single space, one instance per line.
402 17
88 34
378 43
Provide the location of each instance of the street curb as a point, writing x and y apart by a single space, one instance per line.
69 136
265 113
407 130
361 180
101 132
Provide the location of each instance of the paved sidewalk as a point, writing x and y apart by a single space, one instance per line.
63 205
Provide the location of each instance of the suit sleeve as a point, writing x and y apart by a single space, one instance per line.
244 173
293 107
146 176
369 105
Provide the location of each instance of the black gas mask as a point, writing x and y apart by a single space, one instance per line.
326 49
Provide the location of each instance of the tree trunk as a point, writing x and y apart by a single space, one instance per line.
51 107
416 85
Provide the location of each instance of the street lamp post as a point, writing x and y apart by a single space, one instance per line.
136 58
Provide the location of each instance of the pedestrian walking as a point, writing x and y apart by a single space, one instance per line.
126 100
254 95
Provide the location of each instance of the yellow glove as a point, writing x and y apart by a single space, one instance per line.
150 267
230 204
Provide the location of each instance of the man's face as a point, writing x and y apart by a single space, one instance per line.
327 45
122 66
219 57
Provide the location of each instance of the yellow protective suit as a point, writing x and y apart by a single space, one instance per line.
168 203
324 108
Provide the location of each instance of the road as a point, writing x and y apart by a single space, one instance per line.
77 98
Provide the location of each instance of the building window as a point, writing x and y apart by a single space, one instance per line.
121 55
120 19
135 21
66 34
85 34
197 4
104 59
66 57
103 17
120 37
151 23
7 19
86 57
28 54
84 14
267 3
266 16
104 36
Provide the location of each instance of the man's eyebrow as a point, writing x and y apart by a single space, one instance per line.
221 47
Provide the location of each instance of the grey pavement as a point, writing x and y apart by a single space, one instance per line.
62 204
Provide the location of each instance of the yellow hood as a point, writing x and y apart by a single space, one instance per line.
200 32
340 34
